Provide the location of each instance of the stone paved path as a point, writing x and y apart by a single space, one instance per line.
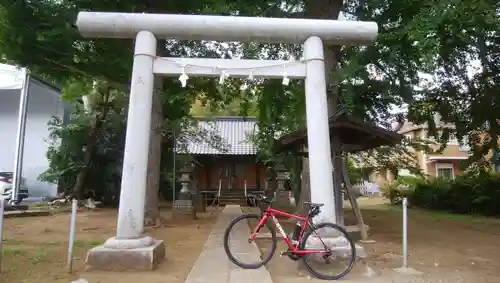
213 266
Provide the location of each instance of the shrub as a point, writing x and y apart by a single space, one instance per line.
396 192
409 181
403 187
466 194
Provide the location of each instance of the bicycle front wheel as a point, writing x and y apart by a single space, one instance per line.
336 251
243 252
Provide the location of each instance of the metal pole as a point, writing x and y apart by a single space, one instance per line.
173 165
21 133
405 233
174 173
74 208
2 204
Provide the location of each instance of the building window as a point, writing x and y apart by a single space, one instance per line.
445 171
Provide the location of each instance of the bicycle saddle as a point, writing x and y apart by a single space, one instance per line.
314 204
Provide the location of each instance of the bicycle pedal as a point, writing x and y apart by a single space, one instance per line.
287 253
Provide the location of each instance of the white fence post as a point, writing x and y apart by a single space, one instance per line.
405 233
2 209
74 208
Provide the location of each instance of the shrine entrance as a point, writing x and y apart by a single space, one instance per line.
130 248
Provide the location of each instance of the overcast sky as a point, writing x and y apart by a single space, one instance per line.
10 77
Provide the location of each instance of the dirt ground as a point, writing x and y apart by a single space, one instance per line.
444 247
35 248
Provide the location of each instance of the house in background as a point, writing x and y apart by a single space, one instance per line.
446 164
231 164
44 102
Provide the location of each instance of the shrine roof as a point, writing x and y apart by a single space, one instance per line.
227 135
354 135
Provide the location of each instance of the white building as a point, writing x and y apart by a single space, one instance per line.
44 102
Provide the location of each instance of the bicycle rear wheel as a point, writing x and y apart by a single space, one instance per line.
339 254
238 234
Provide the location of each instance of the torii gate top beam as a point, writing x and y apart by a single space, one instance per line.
225 28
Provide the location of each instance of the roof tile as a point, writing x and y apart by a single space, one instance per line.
235 132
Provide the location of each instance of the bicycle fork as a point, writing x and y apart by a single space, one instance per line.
261 223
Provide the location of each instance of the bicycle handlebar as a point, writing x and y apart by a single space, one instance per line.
314 210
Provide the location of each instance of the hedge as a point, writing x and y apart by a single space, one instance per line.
466 194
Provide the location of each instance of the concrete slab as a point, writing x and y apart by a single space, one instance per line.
26 213
15 207
112 259
213 266
360 250
407 271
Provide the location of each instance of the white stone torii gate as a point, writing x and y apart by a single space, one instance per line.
130 249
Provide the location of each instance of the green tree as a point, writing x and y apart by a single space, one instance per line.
83 170
461 42
415 36
58 53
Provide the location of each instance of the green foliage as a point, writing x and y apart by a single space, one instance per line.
409 181
436 37
404 187
459 37
66 150
395 193
40 35
355 173
467 194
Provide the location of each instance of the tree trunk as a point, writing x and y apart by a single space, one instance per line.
305 188
271 182
152 204
327 9
82 177
95 130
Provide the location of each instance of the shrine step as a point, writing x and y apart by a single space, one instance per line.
233 198
233 202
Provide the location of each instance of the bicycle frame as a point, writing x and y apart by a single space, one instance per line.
270 213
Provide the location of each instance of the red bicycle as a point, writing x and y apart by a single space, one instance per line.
309 242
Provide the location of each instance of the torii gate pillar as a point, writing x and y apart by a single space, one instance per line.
130 249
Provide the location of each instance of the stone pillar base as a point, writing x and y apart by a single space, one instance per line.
184 203
182 206
338 245
105 258
282 201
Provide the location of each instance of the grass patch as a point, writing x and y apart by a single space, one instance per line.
415 212
443 215
11 241
87 244
39 204
47 230
39 257
12 252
